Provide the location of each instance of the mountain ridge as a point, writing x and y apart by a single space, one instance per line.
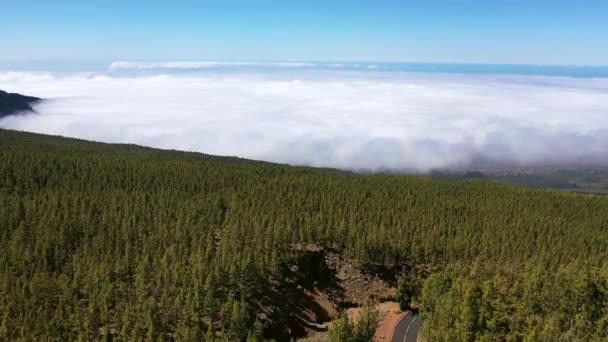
14 103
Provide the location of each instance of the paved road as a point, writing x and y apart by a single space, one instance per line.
407 328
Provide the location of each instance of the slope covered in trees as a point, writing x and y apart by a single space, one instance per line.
128 243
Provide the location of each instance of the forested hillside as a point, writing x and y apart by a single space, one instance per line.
125 243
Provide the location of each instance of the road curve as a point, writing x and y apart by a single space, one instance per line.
407 328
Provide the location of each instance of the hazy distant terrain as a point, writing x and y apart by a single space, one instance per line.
572 178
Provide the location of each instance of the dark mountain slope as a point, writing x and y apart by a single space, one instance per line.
12 103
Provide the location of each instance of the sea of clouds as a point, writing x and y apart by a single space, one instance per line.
360 120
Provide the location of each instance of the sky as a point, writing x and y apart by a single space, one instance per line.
445 31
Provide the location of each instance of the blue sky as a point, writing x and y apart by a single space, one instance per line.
464 31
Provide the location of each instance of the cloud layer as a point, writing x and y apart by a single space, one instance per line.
345 119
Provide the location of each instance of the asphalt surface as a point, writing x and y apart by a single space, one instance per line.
407 328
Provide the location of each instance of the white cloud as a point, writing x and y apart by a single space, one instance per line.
344 119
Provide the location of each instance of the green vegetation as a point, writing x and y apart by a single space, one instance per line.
126 243
14 103
408 287
344 330
533 301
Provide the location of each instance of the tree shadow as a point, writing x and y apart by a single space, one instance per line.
291 301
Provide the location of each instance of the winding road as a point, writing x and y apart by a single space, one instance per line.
407 328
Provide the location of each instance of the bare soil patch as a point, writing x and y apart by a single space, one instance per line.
336 283
391 315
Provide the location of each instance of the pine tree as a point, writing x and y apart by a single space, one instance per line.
342 329
368 322
210 335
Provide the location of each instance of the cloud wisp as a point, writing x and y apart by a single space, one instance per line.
205 65
345 119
